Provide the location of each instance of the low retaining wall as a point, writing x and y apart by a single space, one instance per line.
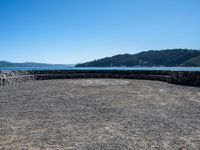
177 77
11 77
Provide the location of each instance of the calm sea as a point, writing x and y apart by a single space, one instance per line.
103 68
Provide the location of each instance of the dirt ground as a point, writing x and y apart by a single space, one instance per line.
99 114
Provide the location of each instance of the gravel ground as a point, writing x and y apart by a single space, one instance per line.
99 114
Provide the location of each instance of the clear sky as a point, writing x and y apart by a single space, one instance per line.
74 31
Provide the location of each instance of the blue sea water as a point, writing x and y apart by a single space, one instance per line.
103 68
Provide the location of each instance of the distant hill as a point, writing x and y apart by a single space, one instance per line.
193 62
168 57
31 64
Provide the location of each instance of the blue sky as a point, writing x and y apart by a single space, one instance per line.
74 31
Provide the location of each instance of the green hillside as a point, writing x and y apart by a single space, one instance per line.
168 57
195 62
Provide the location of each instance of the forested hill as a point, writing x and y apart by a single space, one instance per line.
168 57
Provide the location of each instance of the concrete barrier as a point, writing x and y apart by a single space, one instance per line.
191 78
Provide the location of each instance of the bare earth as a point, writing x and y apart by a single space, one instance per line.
99 114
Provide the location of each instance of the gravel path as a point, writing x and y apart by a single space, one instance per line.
99 114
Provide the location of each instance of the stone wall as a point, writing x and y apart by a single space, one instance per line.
11 77
177 77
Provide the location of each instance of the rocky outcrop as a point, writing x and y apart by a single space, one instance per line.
176 77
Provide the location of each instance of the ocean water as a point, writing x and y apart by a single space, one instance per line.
103 68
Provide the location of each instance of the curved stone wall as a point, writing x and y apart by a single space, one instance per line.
177 77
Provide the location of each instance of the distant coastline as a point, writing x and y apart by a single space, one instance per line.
33 64
154 58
